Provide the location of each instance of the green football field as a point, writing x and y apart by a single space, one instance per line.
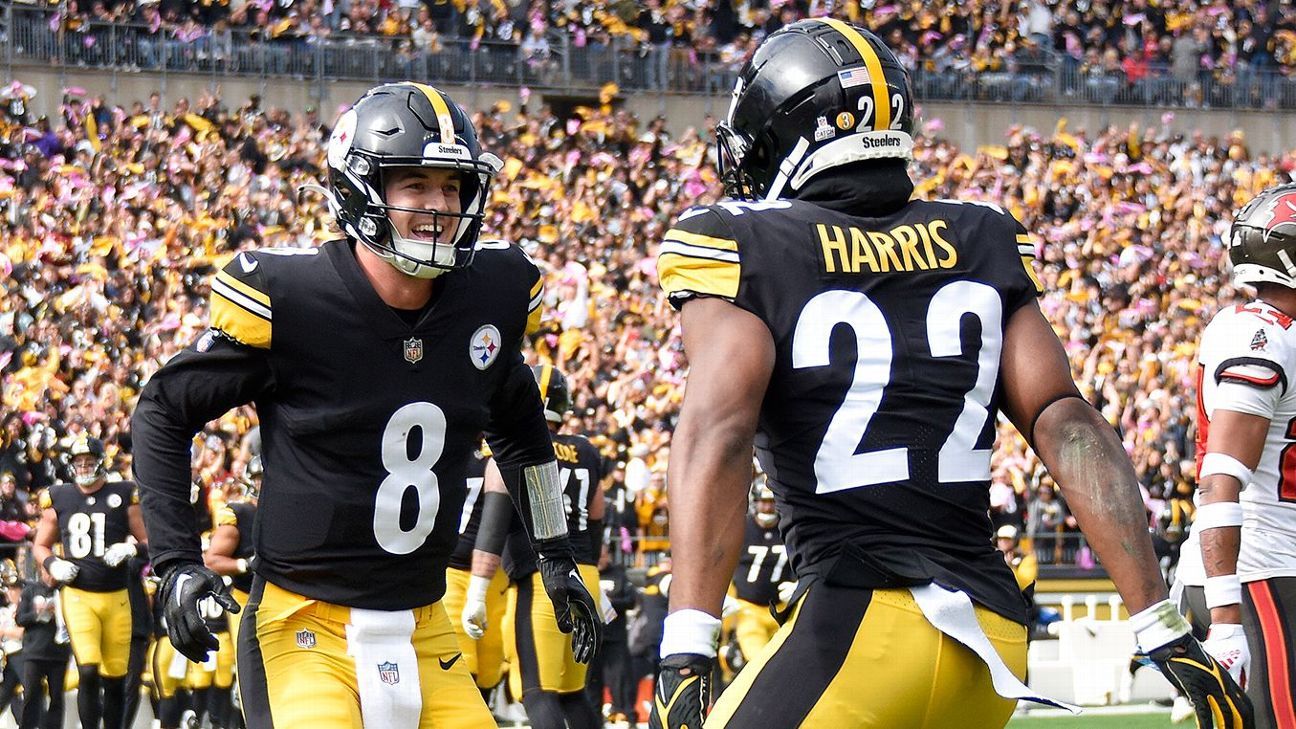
1126 721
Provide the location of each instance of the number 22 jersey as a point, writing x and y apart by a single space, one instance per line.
879 418
368 419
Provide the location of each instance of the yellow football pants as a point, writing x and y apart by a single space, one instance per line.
485 656
868 659
305 663
99 624
540 655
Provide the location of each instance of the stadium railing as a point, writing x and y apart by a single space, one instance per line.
35 35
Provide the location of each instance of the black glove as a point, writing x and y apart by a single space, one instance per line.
574 607
183 587
1214 694
683 692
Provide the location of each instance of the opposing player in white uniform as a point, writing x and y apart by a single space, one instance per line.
1247 460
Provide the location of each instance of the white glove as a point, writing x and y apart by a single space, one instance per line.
474 612
1227 643
785 591
729 607
62 570
119 553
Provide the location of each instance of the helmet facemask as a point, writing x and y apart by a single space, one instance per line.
407 125
87 468
412 256
732 148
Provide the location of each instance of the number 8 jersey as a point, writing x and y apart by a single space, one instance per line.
879 418
1245 365
368 418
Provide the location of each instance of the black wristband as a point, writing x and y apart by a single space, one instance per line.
48 560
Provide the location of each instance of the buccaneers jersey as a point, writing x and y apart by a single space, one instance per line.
580 471
1246 365
470 519
88 525
878 422
762 565
367 416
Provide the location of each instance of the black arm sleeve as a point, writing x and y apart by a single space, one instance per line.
496 518
190 390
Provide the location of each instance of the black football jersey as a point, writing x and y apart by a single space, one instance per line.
367 421
88 525
878 422
580 471
762 565
470 518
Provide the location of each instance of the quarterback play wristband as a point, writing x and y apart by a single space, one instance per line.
548 517
1223 464
1218 514
1158 625
690 631
1223 590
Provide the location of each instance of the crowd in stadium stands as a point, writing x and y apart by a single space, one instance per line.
112 218
1126 51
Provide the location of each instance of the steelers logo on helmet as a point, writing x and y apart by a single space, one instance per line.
770 142
408 125
1262 241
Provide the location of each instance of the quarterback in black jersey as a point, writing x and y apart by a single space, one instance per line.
865 343
545 669
93 519
375 363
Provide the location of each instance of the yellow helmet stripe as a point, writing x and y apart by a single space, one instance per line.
442 109
546 373
881 97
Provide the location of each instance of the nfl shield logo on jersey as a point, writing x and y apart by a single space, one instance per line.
305 639
389 673
413 350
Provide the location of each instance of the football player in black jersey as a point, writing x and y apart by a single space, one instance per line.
763 575
375 363
94 520
482 641
865 343
545 669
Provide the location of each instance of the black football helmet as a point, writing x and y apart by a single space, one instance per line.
85 474
815 95
407 125
1262 241
554 391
